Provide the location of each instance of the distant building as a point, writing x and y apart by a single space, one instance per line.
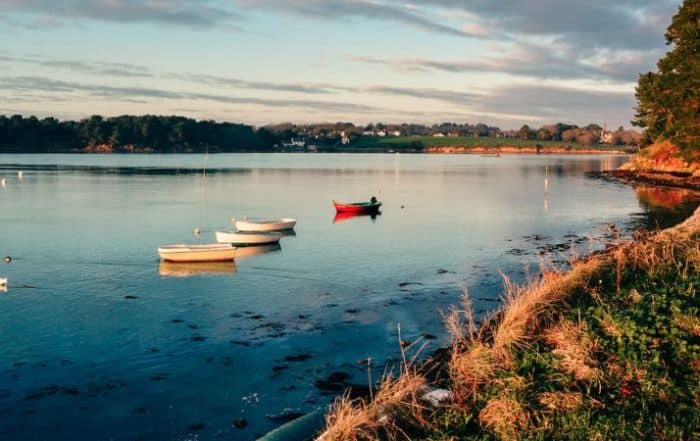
606 137
344 138
438 135
381 133
395 133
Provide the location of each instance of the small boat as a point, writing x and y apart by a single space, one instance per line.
357 207
243 238
265 224
215 252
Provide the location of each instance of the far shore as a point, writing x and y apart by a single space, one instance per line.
434 150
527 150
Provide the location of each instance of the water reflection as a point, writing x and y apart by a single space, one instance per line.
664 207
257 250
342 217
179 269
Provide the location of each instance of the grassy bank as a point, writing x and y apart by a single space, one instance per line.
662 163
607 350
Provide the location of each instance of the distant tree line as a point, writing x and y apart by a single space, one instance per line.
588 135
147 133
173 134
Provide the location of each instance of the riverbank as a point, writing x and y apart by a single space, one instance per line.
676 180
607 350
661 164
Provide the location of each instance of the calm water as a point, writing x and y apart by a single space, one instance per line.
100 341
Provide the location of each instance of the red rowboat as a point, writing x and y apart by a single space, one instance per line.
357 207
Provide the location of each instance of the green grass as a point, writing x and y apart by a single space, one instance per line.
647 349
462 141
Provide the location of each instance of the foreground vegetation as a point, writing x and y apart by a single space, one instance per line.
608 350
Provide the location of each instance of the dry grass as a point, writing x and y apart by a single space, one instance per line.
524 305
576 347
688 321
607 323
356 420
471 369
664 157
561 401
504 416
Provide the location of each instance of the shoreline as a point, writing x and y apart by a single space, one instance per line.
660 179
453 150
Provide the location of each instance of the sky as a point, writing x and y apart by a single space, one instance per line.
500 62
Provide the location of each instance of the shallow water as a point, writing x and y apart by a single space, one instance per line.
101 341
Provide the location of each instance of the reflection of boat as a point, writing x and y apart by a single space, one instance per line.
265 224
357 207
216 252
288 233
245 238
343 216
256 250
183 269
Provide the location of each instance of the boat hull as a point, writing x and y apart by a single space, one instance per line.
358 207
265 225
244 239
197 253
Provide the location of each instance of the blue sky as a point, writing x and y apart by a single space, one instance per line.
504 62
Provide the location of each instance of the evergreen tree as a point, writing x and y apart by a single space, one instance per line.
668 101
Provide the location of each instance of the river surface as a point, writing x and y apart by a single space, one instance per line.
100 341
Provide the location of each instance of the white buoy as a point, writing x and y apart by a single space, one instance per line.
3 281
197 231
20 174
3 182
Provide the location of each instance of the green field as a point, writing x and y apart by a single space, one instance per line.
407 142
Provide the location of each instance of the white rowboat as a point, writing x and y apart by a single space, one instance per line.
215 252
245 238
262 225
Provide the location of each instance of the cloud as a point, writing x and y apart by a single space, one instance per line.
535 61
192 13
33 84
358 9
622 24
553 103
449 96
90 67
313 88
